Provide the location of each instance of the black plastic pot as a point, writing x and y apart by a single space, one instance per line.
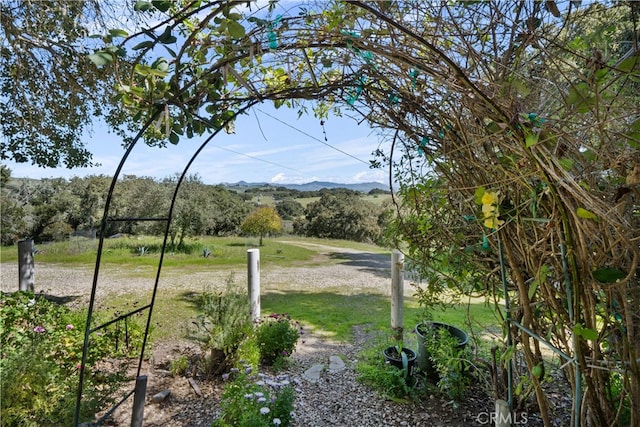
422 360
394 358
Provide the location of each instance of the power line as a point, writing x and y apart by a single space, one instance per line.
313 137
259 159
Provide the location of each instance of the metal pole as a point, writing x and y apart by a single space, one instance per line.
397 294
253 274
138 401
26 266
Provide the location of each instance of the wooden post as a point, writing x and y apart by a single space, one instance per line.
397 294
139 393
253 274
26 266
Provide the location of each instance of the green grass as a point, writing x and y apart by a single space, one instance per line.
125 251
333 314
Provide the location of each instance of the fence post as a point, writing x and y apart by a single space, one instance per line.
253 274
397 294
26 266
138 401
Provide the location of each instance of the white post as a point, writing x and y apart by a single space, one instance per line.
25 265
253 274
397 294
503 414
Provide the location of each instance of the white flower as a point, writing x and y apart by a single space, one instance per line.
262 399
248 396
259 394
264 410
31 302
277 421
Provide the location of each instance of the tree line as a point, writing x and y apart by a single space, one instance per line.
56 208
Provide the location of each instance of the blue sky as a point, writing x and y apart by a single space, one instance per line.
286 150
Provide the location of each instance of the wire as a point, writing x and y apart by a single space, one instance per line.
313 137
259 159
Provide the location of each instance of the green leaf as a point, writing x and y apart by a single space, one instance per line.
166 37
532 289
585 214
161 5
236 30
581 97
478 195
143 45
118 33
587 334
142 6
566 163
629 64
608 274
531 139
101 58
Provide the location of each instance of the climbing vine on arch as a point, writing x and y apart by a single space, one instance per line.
512 124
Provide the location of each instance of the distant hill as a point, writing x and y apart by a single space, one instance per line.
363 187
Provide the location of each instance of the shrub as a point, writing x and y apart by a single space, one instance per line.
450 361
276 337
40 355
223 326
256 400
387 380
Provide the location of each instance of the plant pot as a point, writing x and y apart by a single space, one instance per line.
423 361
394 358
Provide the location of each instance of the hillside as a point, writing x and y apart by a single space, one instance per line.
363 187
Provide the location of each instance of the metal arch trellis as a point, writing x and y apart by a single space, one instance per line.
103 226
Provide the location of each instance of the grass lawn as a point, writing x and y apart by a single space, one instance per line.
332 314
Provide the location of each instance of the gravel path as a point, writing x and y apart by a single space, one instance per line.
337 399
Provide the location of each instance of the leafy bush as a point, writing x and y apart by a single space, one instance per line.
222 327
255 400
450 361
276 338
41 352
389 381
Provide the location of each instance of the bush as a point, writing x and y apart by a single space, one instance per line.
276 337
223 326
41 352
256 400
387 380
450 361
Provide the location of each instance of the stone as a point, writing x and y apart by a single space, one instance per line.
160 397
313 373
336 364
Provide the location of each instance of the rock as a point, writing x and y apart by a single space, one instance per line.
336 364
313 373
160 397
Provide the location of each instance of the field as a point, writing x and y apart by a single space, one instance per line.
324 284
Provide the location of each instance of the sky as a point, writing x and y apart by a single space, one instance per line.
269 145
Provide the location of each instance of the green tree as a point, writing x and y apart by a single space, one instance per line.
49 91
262 221
342 215
289 209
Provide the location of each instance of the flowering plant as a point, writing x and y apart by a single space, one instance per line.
256 400
40 354
277 337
